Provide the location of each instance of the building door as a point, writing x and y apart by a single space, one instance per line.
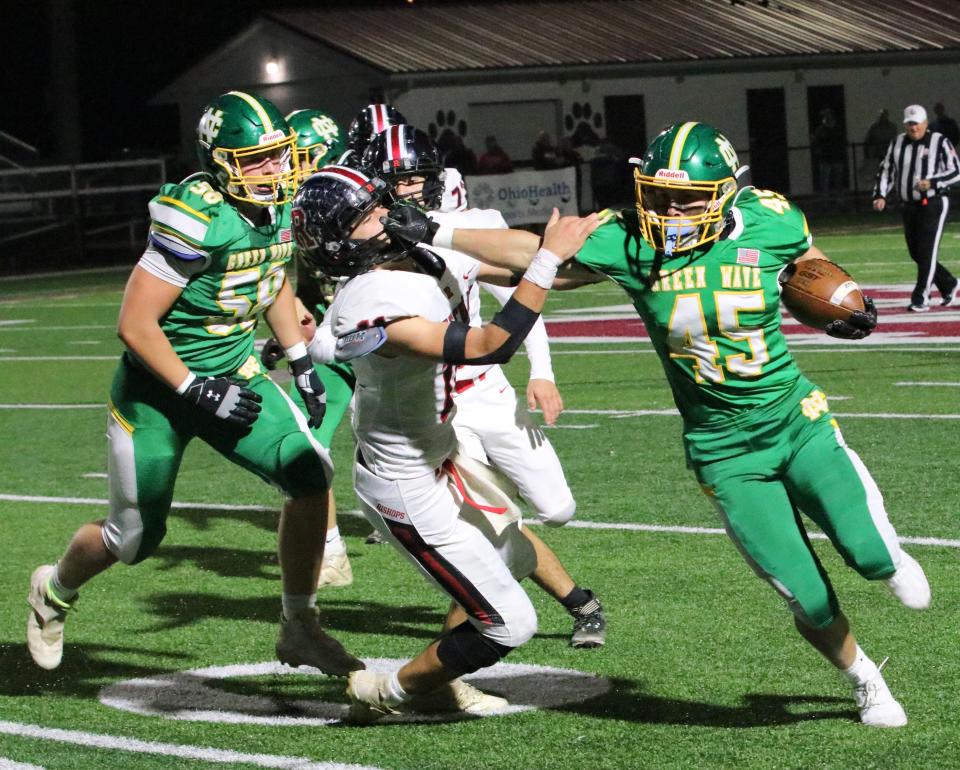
827 119
626 123
767 128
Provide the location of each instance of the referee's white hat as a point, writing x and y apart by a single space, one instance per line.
914 114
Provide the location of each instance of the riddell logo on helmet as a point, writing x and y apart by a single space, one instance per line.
273 136
668 173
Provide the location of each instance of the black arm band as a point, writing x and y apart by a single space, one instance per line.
514 318
455 343
515 279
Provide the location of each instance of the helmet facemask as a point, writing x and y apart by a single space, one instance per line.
430 193
260 188
672 233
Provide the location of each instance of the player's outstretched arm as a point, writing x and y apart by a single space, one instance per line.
495 342
510 249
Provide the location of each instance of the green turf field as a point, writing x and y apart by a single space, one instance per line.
702 667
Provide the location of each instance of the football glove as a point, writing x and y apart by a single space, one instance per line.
225 399
272 354
310 388
407 225
858 326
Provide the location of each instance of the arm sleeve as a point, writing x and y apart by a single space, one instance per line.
885 173
537 344
947 167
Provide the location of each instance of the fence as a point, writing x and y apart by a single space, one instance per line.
58 216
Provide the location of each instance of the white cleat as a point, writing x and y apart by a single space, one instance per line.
45 621
458 697
335 572
909 583
367 691
877 705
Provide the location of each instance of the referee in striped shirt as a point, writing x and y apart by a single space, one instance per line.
920 165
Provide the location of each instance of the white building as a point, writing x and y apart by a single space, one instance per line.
761 70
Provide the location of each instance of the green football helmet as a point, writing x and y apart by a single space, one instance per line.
245 144
319 141
687 167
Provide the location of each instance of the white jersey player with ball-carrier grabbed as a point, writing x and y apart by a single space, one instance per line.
492 427
447 516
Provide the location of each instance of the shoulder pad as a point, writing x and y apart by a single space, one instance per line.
181 217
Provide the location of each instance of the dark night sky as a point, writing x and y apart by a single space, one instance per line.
125 53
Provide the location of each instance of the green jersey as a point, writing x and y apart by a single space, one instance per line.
713 314
230 271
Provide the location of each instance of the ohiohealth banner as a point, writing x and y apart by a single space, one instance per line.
525 197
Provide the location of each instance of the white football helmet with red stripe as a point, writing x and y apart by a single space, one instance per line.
327 209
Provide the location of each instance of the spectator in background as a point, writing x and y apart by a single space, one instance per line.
566 155
495 160
829 147
881 132
945 124
544 152
456 154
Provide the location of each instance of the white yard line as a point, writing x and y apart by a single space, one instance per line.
929 384
576 523
202 753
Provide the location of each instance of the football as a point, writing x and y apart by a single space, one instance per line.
816 292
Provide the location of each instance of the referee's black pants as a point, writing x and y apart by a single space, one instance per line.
923 223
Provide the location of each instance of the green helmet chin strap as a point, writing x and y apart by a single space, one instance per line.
246 146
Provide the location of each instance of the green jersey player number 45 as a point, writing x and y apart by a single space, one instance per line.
700 259
215 263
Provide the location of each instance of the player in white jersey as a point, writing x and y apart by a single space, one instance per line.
492 427
454 191
448 518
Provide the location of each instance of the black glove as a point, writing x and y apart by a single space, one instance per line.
311 389
858 326
225 399
407 225
272 354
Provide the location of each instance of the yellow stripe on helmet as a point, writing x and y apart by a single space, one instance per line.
676 152
258 108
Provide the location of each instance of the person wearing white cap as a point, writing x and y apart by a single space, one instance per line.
921 165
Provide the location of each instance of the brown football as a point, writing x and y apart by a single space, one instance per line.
816 292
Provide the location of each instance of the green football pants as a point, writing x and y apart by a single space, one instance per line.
148 429
794 461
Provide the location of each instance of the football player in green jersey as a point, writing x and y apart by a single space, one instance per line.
215 262
319 142
700 259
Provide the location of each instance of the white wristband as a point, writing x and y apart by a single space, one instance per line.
543 268
182 388
443 238
299 350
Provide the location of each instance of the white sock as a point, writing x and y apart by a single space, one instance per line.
58 589
335 544
395 693
293 603
862 670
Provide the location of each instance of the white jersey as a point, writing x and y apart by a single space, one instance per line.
403 405
454 191
536 343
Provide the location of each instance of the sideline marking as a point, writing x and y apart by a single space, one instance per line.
574 524
203 753
189 696
9 764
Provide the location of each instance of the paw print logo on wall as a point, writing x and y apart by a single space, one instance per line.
582 123
446 123
482 195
